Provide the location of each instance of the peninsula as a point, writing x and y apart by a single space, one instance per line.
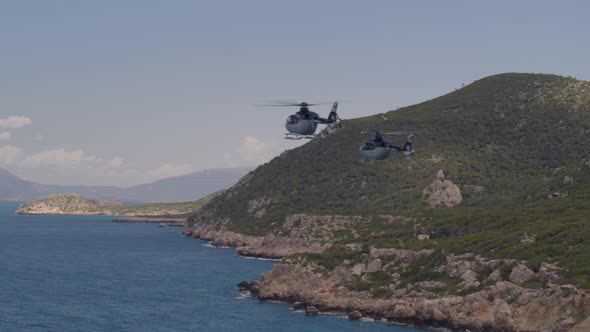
485 228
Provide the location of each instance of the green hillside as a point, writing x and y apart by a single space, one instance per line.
517 146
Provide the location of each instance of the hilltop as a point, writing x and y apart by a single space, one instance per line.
491 212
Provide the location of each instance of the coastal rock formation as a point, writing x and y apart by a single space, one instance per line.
500 306
299 233
493 304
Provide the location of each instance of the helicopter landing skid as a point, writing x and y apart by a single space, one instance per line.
294 136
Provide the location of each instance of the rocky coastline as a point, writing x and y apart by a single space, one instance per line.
486 298
176 222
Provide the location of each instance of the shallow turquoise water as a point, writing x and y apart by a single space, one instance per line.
72 273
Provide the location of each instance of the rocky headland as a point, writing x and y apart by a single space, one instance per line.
465 292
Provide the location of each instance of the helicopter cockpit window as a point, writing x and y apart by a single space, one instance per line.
368 146
292 120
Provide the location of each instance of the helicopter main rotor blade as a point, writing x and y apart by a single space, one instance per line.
292 104
364 132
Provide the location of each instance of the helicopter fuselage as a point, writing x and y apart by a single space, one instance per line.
302 123
370 150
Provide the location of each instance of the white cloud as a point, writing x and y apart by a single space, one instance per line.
9 154
169 170
254 150
55 157
116 162
15 121
5 136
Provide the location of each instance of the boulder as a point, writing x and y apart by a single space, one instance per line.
548 272
358 269
495 276
404 312
298 305
355 315
423 237
311 311
255 288
521 274
243 286
374 265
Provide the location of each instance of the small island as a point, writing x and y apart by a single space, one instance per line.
69 204
74 204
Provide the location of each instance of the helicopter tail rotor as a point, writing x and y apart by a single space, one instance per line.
333 119
408 149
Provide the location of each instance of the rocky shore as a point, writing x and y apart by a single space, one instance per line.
475 293
177 222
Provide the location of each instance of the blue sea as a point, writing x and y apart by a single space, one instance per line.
73 273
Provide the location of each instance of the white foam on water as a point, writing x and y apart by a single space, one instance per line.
262 258
243 295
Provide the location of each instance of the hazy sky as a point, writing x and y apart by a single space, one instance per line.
123 92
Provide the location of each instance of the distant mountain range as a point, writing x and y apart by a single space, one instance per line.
175 189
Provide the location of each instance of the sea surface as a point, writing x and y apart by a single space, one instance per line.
86 273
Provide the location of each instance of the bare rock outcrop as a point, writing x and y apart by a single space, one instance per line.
256 206
521 274
442 193
374 265
398 256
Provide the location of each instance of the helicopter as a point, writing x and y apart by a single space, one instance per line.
379 148
304 123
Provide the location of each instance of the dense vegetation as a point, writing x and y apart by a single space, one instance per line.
517 145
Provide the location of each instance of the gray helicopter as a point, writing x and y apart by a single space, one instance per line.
304 123
380 149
